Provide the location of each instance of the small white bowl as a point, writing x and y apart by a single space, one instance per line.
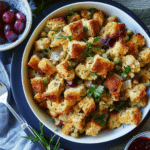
24 7
106 135
142 134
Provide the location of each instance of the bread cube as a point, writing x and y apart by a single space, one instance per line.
74 17
111 19
55 24
101 65
119 49
75 29
55 88
51 35
112 122
41 44
137 92
97 43
145 75
131 116
86 14
133 49
75 94
68 128
93 27
144 57
37 85
34 61
46 66
129 60
99 16
78 120
87 105
138 39
39 97
113 84
64 71
76 49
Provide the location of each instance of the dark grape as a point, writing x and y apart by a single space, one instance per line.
19 26
9 17
3 7
2 38
20 16
8 27
11 36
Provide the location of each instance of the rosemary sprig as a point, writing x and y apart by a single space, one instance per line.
40 137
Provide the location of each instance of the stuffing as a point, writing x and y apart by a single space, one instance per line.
119 49
31 73
101 65
93 128
75 94
93 27
68 128
73 17
114 85
87 105
129 60
75 29
99 16
111 19
43 105
137 92
46 66
39 97
64 71
98 43
76 49
144 57
55 88
145 74
86 14
130 116
41 44
138 39
37 85
55 24
51 35
34 61
113 121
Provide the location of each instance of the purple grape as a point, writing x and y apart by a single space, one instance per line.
11 36
19 26
9 17
20 16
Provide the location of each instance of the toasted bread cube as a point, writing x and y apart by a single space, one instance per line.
112 122
137 92
75 94
114 30
59 107
55 24
39 97
97 43
145 75
141 103
37 85
119 49
53 114
129 60
68 128
93 128
84 73
101 65
99 16
46 66
65 44
78 120
144 57
64 71
51 35
76 49
43 105
138 39
93 27
75 29
86 14
41 44
34 61
87 105
73 17
112 19
55 88
113 84
131 116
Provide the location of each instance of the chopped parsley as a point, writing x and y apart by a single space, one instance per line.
70 67
127 70
96 39
101 119
85 29
44 82
48 49
65 37
109 56
94 73
72 10
88 50
95 92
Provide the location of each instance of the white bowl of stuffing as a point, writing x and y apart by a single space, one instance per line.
85 72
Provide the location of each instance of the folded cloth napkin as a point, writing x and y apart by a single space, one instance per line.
10 138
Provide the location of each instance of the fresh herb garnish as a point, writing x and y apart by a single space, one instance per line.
40 137
127 70
88 50
44 82
120 106
47 48
96 39
109 57
85 29
94 73
70 67
96 92
65 37
101 119
92 8
72 10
